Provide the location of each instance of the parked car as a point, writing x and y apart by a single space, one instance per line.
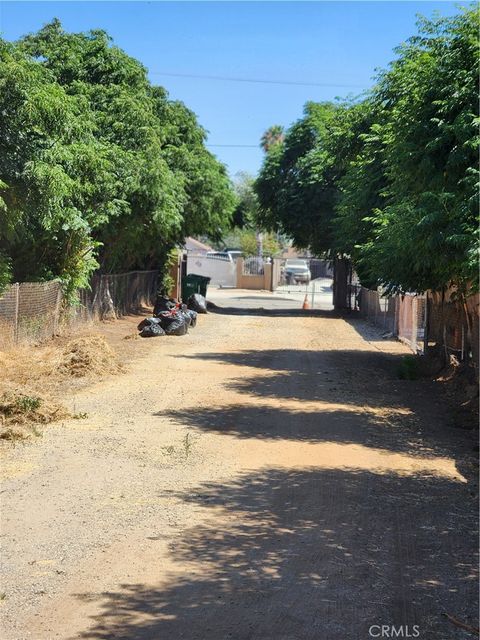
296 271
234 253
226 254
219 255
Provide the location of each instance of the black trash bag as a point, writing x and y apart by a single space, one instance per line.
147 322
178 327
188 319
152 331
173 323
163 303
197 302
193 317
166 318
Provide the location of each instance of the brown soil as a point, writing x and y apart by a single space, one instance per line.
264 477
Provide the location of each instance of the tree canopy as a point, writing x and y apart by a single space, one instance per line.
390 180
98 168
273 135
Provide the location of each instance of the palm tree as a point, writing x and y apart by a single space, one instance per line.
273 135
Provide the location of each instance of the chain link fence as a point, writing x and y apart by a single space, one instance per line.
36 311
320 268
400 316
426 323
30 311
453 326
116 295
411 321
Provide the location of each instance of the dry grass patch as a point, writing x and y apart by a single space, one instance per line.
49 365
21 409
32 379
90 355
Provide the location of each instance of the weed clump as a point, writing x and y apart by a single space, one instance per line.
409 368
20 407
32 380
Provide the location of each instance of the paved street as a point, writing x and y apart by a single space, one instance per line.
319 296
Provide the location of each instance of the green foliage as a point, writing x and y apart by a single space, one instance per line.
249 243
167 281
297 183
392 180
272 136
409 368
425 234
97 167
5 272
27 404
246 209
248 231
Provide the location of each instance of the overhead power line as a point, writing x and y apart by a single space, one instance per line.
256 146
258 80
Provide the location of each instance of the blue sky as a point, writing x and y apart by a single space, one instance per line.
333 43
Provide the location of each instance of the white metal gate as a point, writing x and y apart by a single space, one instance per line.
220 269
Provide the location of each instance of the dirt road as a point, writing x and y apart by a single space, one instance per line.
267 477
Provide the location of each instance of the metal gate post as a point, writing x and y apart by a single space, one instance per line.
425 327
17 304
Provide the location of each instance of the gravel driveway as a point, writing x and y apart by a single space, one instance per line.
266 477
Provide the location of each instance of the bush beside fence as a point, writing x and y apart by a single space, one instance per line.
35 311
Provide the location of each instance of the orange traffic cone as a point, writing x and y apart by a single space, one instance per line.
305 303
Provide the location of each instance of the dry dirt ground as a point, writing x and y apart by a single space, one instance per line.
266 477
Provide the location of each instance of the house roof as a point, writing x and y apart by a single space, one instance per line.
191 244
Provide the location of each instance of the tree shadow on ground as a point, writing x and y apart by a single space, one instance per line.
358 394
390 431
308 554
316 365
270 298
287 312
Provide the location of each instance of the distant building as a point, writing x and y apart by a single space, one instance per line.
291 252
195 246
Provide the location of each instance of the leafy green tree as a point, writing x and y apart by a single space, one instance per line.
272 136
425 234
361 187
50 162
97 167
249 243
5 272
210 199
297 186
390 181
246 209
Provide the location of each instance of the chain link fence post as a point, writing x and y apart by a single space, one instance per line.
17 306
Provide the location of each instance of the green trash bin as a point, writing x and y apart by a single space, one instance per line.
194 283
